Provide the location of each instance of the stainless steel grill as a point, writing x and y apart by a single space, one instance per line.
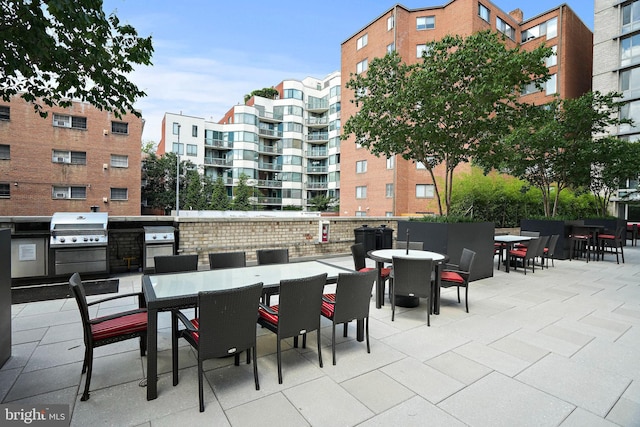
79 242
158 240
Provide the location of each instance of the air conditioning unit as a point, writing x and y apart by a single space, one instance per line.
61 195
63 123
60 159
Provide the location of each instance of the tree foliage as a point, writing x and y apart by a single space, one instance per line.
451 106
219 198
160 188
267 92
553 147
243 194
322 203
56 50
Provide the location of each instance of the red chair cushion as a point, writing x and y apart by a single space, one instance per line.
195 335
518 253
271 318
327 308
385 272
607 236
128 324
451 276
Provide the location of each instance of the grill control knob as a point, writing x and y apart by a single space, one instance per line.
86 239
62 240
73 239
154 237
164 236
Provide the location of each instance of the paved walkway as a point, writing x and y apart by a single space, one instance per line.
560 347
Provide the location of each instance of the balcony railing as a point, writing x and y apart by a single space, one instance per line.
317 153
318 105
272 133
270 166
317 185
270 200
218 143
317 169
318 136
217 161
268 115
269 183
273 149
317 121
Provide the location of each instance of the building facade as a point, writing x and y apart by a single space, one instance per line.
288 147
373 186
74 160
616 68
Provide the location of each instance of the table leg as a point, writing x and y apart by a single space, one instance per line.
360 330
436 293
379 286
507 257
152 354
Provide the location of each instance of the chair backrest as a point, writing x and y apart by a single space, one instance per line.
359 255
77 289
299 304
175 263
272 256
532 249
542 243
412 277
553 242
227 260
416 246
353 296
227 320
466 260
530 233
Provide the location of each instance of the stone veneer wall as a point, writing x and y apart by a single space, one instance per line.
300 235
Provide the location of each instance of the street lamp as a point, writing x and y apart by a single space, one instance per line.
178 174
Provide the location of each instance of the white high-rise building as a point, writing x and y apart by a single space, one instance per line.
288 146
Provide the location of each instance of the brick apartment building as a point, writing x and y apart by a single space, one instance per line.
75 159
288 147
372 186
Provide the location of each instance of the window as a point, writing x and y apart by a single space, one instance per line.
425 23
551 85
292 93
5 112
362 66
119 161
424 191
420 50
629 85
177 148
391 47
483 12
388 191
361 192
553 59
192 150
120 128
529 88
361 166
5 152
361 213
74 122
119 194
72 157
362 42
194 131
5 190
64 192
420 166
391 162
630 110
630 17
176 128
390 22
630 50
548 28
505 28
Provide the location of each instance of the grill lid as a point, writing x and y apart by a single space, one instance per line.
78 229
159 234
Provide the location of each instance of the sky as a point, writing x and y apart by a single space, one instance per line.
209 54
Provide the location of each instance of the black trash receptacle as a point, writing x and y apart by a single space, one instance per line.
384 237
367 236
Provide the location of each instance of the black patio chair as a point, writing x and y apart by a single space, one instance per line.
227 260
175 263
550 250
525 255
108 329
458 275
350 302
612 243
226 326
297 313
416 246
271 256
412 278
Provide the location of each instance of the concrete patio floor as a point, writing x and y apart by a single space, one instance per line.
560 347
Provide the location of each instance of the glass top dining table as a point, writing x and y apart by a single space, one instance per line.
170 291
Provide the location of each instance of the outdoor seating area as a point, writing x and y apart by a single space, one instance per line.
557 348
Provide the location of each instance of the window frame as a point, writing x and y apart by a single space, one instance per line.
192 150
429 23
482 8
68 121
116 161
362 66
425 194
5 148
116 189
361 166
69 157
68 191
5 112
388 191
5 190
361 192
362 41
119 128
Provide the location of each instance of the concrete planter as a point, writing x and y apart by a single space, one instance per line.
451 238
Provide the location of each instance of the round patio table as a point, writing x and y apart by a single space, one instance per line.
382 256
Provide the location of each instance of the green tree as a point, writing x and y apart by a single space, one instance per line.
55 50
194 199
267 92
243 194
219 198
160 188
553 147
449 107
321 203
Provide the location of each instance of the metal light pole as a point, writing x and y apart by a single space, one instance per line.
178 174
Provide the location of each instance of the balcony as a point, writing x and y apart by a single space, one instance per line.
269 183
268 116
269 166
317 121
270 149
317 169
317 186
317 106
269 200
318 136
218 143
270 133
217 161
315 152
